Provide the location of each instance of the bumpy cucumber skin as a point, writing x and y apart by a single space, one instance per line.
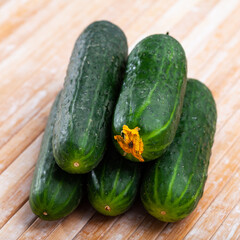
113 183
53 191
152 94
91 88
174 183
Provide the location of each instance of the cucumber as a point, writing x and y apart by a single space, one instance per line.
91 88
148 110
173 185
54 193
112 186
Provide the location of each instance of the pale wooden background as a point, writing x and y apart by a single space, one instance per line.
36 40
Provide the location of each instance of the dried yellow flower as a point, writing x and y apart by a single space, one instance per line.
130 142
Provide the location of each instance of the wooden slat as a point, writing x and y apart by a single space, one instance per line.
21 220
15 198
19 167
40 229
72 224
17 121
160 26
15 181
18 14
219 209
29 24
66 228
3 2
123 227
216 46
96 227
199 36
231 223
22 139
190 20
142 232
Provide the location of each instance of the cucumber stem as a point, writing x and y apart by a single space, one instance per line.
163 212
107 208
76 164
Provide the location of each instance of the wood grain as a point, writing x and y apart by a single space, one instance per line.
36 41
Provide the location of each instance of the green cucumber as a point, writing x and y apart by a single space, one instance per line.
174 183
91 88
54 193
151 98
112 186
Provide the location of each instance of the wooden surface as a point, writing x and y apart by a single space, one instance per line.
36 40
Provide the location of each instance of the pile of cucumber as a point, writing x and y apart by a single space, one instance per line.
122 125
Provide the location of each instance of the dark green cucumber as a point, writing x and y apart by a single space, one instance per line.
152 95
90 92
113 184
174 183
54 193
